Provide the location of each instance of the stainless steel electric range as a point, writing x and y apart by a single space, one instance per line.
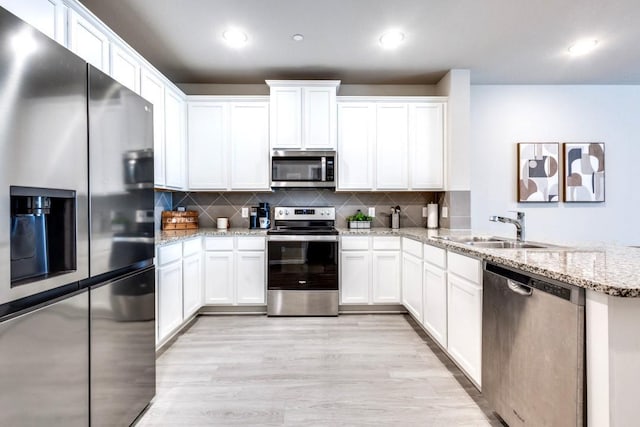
303 262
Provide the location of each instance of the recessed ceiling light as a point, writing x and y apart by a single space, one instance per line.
582 47
391 39
297 37
235 38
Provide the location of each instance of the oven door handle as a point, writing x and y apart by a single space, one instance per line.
301 238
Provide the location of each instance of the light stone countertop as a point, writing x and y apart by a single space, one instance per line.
171 236
613 270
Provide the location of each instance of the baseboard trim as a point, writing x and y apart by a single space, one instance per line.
232 309
373 309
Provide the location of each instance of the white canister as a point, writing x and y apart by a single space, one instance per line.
432 215
223 223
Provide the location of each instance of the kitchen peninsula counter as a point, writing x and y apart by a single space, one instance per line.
609 269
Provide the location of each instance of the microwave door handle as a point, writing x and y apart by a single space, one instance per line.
323 166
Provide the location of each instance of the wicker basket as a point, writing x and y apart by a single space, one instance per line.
173 220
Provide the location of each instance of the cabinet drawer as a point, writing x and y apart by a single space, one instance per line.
412 247
386 243
435 256
191 247
251 243
355 243
169 253
464 266
218 244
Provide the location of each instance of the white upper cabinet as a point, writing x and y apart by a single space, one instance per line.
391 143
392 146
125 68
45 15
174 146
426 145
319 117
207 145
152 89
303 114
249 145
286 118
228 143
88 42
356 142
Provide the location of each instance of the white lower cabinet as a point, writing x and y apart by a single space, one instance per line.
192 283
218 277
355 277
250 277
386 275
412 277
464 307
169 289
235 270
434 291
370 270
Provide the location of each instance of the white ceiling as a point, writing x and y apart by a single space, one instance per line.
500 41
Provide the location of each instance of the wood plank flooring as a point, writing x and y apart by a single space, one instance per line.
353 370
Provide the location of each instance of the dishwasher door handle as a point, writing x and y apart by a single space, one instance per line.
519 289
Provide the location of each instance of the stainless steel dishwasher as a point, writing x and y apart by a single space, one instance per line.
533 349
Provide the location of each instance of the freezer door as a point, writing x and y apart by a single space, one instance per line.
44 364
120 175
43 142
123 356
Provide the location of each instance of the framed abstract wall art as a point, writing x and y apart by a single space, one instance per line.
538 175
583 171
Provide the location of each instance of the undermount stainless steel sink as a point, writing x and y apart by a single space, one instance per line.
507 245
492 242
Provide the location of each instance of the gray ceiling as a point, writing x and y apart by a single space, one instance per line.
500 41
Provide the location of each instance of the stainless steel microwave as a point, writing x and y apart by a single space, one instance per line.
303 169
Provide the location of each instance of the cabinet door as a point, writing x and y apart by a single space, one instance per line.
250 277
319 120
412 285
218 277
285 117
174 141
386 277
207 142
356 142
391 146
355 277
435 302
250 146
44 15
464 340
152 89
426 142
88 42
169 299
192 283
125 68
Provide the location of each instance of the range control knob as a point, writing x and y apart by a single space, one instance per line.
280 212
286 212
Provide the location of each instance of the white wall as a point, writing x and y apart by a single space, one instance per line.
501 116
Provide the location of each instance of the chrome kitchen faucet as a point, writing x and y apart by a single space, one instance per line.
518 222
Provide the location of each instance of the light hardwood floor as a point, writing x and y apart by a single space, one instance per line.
353 370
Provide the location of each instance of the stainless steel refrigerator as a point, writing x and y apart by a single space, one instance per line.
122 275
77 281
44 241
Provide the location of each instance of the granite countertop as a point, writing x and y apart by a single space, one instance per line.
612 270
170 236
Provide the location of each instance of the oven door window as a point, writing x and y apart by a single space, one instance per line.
303 265
297 169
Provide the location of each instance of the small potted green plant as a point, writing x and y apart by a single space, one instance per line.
359 220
